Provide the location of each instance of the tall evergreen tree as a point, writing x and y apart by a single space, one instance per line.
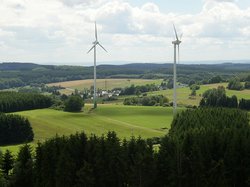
7 163
23 170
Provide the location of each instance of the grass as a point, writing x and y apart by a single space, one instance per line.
184 98
126 121
240 94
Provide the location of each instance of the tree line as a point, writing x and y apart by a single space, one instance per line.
159 100
14 129
205 147
218 98
137 90
17 101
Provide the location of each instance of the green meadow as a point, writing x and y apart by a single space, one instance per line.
126 121
184 98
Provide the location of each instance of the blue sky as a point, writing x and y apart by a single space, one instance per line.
179 6
62 31
183 6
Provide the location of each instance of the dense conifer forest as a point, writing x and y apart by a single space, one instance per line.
205 147
14 129
16 101
218 98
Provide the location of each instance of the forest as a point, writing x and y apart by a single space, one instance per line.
14 129
17 101
205 147
22 74
218 98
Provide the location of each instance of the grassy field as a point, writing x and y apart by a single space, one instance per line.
184 98
126 121
103 83
182 93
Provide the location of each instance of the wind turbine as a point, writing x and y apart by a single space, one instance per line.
95 43
175 43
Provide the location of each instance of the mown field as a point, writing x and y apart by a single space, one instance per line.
105 83
126 121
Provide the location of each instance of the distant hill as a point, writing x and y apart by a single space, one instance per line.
16 74
17 66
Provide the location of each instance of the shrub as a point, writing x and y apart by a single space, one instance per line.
235 84
159 100
74 104
247 85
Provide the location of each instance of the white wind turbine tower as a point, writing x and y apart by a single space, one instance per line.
176 43
95 43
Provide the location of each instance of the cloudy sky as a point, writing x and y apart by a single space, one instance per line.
61 31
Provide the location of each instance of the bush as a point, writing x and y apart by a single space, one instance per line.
247 85
74 104
215 79
235 84
159 100
137 90
194 87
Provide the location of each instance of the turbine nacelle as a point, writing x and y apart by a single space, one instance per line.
95 43
176 42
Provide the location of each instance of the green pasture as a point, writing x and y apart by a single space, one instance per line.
184 98
126 121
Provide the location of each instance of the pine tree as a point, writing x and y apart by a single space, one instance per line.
7 163
23 170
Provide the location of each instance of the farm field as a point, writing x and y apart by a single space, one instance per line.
126 121
105 83
182 93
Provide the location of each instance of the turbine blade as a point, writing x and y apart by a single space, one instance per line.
102 47
96 32
181 36
91 48
175 33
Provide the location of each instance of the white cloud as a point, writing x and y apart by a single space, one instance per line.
62 30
